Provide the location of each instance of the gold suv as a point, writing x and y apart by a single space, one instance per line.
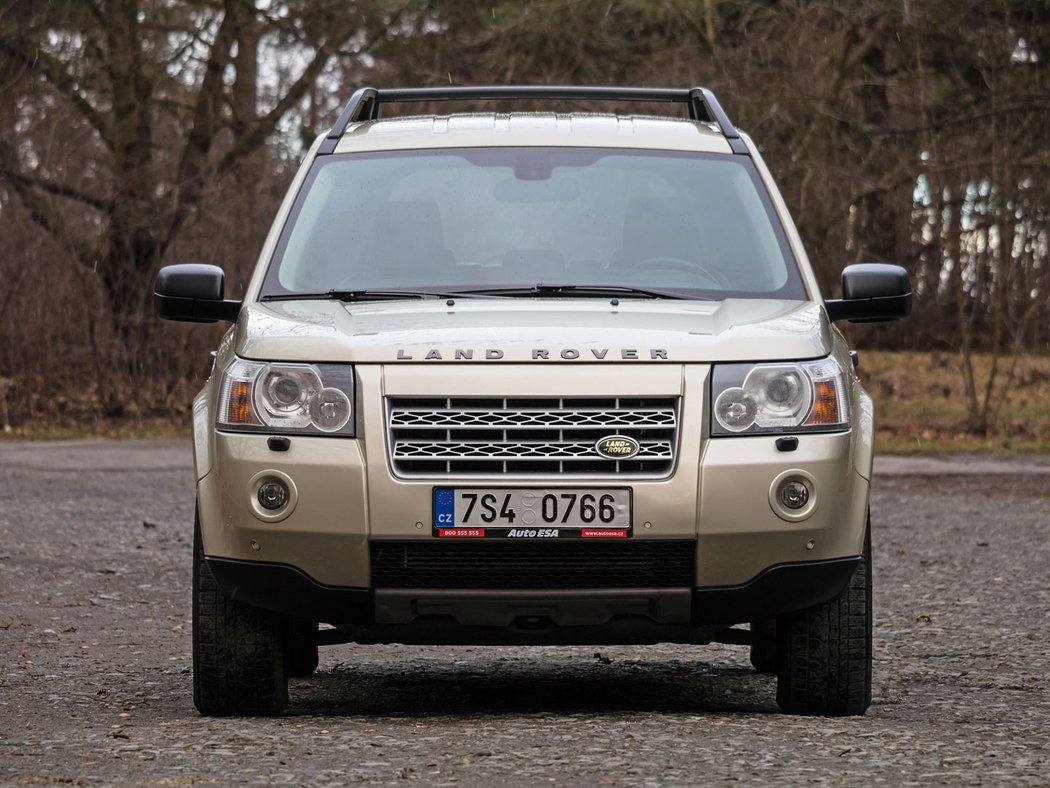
532 378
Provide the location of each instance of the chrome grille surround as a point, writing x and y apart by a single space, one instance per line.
526 437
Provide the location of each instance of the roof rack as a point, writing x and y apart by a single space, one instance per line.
701 102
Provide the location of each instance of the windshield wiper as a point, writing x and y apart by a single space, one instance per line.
359 295
586 291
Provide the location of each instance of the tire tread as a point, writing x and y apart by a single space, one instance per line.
238 650
824 653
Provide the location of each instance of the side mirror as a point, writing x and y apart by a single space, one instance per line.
872 293
193 293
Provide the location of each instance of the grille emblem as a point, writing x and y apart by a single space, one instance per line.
617 447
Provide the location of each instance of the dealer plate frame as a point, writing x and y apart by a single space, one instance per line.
528 531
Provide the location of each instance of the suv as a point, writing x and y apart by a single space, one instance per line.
532 378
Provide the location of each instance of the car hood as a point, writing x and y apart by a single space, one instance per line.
535 330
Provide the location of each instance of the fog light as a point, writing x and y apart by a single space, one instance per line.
793 494
273 494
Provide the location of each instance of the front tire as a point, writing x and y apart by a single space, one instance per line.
824 653
238 650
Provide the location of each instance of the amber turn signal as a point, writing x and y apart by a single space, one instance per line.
825 404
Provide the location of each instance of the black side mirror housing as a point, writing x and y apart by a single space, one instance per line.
872 293
193 293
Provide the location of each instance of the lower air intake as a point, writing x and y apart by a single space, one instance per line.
535 565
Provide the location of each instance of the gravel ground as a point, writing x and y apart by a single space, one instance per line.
95 644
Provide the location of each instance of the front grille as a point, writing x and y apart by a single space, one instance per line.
439 436
509 564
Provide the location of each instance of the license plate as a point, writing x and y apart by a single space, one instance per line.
532 513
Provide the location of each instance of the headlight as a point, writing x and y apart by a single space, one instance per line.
809 396
293 398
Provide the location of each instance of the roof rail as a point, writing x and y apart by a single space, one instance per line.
364 103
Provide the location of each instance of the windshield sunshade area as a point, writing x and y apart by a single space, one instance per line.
453 220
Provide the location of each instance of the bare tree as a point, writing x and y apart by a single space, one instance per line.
159 102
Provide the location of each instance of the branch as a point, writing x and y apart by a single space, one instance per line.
193 171
263 127
206 123
54 73
172 102
1025 106
97 12
58 189
39 212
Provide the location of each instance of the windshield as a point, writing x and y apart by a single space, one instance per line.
483 218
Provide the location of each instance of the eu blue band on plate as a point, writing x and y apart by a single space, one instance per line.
444 503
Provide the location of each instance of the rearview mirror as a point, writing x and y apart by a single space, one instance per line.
872 293
193 293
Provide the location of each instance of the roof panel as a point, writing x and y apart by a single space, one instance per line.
533 129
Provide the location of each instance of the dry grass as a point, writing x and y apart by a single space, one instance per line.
66 412
921 406
101 428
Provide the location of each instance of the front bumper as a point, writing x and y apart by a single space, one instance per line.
585 616
720 499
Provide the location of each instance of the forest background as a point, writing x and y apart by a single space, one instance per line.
136 133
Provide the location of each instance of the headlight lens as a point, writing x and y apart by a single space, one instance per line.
808 396
294 398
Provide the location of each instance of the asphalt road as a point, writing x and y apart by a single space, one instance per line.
95 651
